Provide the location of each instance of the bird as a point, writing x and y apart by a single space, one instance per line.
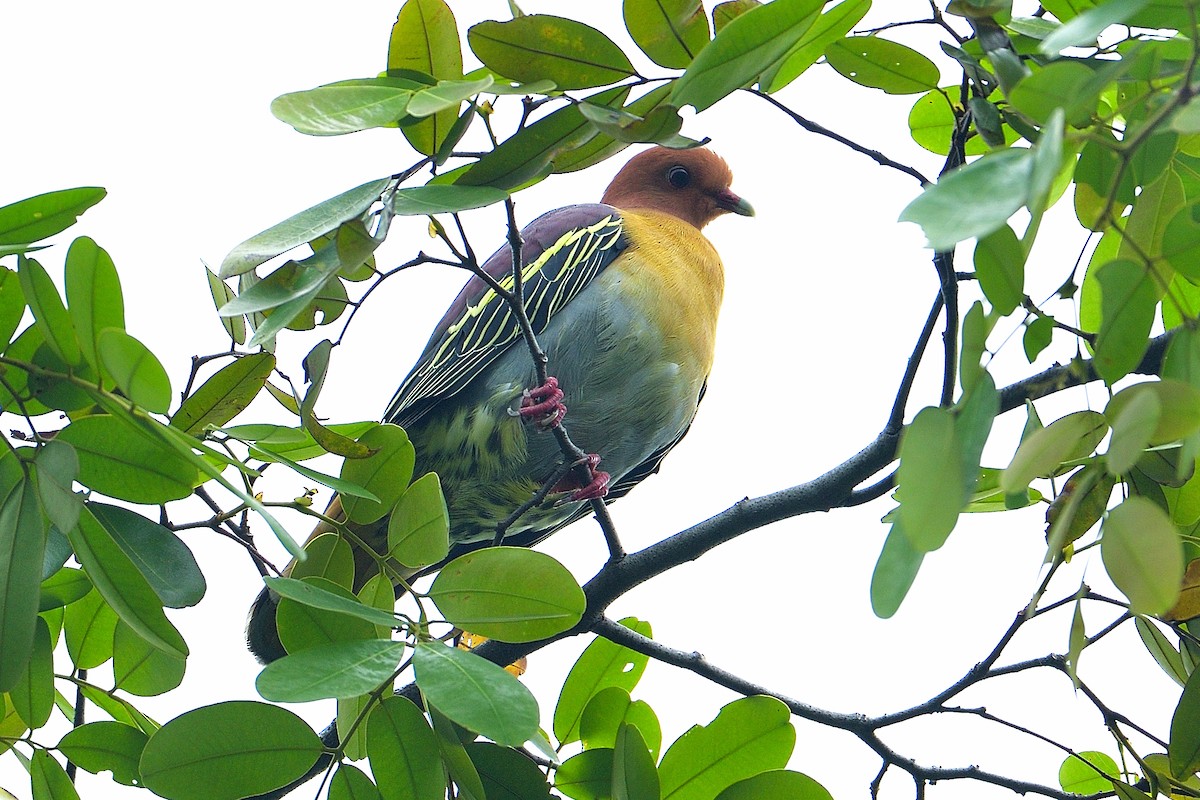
623 296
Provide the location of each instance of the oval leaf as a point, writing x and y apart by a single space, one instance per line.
225 394
419 526
135 369
748 736
476 694
404 752
601 665
228 751
883 64
1042 453
341 670
743 50
930 478
509 593
543 47
1143 555
41 216
118 460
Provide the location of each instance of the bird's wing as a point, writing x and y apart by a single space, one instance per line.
563 252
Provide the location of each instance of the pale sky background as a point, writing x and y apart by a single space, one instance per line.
168 107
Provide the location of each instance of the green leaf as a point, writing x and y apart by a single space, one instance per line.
302 228
661 125
1068 85
1142 554
507 774
454 756
424 41
1084 28
339 670
446 95
419 525
106 747
727 12
1132 428
89 626
1039 332
327 556
1128 298
50 780
293 444
346 106
973 200
778 784
895 571
882 64
222 294
669 32
312 595
351 783
41 216
303 626
1085 773
64 587
1184 748
33 694
930 478
22 543
122 585
831 26
1179 403
601 665
587 775
404 752
1042 453
342 487
12 305
633 773
1162 650
57 468
748 736
137 372
508 593
425 200
543 47
140 668
225 394
158 553
227 751
476 694
933 118
1181 242
94 299
117 459
743 50
385 474
49 313
602 716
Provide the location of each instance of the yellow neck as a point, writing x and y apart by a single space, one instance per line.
681 280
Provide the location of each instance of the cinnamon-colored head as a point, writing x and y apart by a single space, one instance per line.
690 184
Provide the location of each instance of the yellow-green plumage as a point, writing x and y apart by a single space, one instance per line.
623 297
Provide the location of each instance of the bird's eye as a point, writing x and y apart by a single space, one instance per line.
678 176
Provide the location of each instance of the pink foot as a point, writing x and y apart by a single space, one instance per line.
598 487
543 405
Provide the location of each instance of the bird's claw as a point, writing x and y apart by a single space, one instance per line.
543 405
597 488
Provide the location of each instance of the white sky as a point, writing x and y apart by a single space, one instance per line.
166 105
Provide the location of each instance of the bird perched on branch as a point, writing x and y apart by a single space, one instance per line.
623 298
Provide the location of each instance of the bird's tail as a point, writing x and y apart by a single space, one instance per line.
262 632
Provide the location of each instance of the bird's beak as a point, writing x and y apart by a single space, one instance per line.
729 201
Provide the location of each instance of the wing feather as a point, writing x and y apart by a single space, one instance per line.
563 250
